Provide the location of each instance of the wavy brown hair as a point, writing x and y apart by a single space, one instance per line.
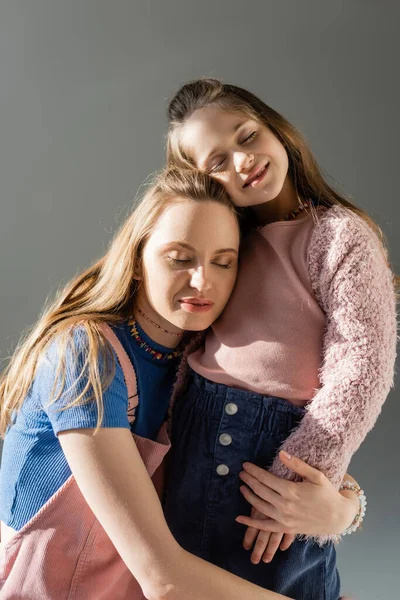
105 292
303 167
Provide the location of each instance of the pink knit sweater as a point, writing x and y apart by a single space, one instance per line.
353 286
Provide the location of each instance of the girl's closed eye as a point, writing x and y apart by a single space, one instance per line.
246 140
217 167
249 138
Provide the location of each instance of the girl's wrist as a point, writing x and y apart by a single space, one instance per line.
350 509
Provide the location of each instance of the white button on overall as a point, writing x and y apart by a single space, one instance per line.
225 439
231 408
222 470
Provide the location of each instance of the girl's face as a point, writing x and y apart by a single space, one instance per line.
189 265
241 153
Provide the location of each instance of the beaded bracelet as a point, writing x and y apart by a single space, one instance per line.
358 519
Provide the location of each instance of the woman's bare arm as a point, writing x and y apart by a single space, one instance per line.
113 479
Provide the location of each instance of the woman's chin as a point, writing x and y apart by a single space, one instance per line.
193 322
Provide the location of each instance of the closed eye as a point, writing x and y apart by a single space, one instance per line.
179 261
249 138
217 167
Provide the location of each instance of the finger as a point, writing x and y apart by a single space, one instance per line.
302 468
259 547
260 488
263 507
272 481
250 537
269 525
287 541
272 547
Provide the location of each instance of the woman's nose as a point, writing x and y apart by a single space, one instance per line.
200 280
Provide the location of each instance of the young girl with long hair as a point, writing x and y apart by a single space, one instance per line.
301 359
83 407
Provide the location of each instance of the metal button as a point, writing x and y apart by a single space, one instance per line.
231 408
222 470
225 439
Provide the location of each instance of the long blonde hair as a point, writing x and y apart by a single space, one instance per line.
303 167
105 292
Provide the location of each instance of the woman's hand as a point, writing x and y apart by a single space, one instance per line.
283 508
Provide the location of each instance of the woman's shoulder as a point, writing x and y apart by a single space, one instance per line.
70 351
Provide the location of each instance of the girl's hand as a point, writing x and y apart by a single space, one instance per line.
266 543
280 507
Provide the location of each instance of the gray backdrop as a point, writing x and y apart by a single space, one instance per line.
83 91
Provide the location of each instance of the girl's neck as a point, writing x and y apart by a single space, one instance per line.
274 210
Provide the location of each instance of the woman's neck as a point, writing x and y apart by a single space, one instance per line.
274 210
149 320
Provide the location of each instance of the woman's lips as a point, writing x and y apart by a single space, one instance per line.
196 305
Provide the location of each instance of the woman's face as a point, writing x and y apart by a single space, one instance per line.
189 265
244 155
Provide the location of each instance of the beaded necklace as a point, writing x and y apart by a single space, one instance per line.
157 325
293 213
143 344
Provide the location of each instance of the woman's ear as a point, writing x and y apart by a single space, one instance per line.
137 271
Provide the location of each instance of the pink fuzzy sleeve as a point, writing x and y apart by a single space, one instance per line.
353 285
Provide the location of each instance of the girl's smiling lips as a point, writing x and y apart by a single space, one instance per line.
195 305
256 176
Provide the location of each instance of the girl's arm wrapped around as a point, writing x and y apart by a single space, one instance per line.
354 286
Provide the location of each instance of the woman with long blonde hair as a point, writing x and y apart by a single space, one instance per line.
84 403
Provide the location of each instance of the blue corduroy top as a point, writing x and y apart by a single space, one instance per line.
33 464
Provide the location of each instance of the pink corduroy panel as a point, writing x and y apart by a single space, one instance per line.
63 553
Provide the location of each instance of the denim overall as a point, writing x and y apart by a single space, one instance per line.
214 430
63 552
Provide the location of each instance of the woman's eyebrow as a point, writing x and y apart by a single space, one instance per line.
226 251
178 243
171 245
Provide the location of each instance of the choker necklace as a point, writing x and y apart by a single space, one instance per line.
157 325
143 344
293 213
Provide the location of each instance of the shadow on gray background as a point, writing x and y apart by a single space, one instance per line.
83 91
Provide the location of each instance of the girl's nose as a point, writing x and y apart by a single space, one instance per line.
242 161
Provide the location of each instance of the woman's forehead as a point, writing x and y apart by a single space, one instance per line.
197 223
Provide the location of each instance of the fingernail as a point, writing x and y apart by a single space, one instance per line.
286 455
245 465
